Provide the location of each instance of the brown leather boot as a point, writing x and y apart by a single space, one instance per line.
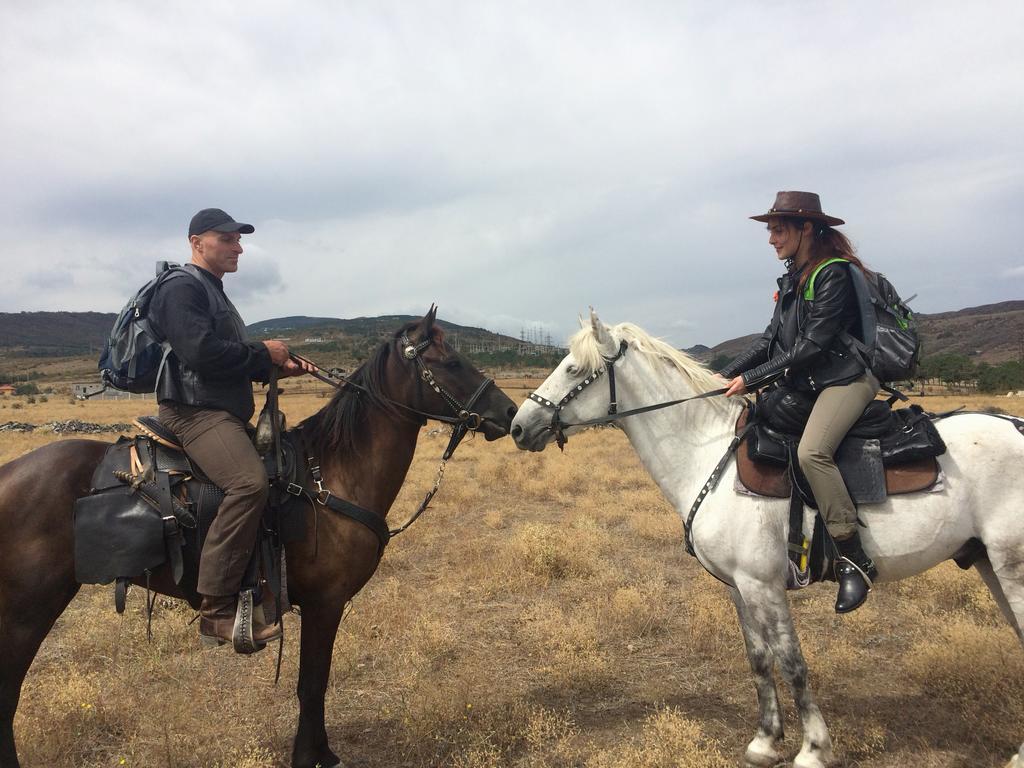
217 623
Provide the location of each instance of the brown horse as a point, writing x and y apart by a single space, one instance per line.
365 439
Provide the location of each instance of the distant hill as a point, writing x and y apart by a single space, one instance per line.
67 344
55 334
363 328
992 333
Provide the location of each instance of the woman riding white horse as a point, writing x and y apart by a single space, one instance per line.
804 346
742 539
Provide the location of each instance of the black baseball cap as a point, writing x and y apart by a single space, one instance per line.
218 221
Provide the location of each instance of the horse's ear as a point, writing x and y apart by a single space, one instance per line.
604 339
428 322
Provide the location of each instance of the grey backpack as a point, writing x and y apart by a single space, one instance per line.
133 356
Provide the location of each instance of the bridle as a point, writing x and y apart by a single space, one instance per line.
558 427
464 418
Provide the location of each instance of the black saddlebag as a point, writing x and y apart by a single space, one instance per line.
117 535
915 439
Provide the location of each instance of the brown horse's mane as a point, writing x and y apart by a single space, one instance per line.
337 426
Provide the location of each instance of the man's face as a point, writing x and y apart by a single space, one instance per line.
217 252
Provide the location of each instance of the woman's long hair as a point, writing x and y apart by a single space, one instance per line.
828 244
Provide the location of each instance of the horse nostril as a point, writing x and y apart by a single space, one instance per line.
511 412
517 431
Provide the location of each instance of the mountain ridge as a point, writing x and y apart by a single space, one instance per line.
991 332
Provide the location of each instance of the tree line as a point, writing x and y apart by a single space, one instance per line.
952 370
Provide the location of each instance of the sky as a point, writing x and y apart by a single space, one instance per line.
513 162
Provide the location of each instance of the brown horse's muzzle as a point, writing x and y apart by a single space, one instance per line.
498 415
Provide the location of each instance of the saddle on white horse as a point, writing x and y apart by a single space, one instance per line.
886 452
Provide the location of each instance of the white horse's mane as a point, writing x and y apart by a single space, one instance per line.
585 348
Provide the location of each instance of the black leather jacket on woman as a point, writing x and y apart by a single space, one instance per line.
804 340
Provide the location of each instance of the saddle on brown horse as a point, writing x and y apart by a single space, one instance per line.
150 506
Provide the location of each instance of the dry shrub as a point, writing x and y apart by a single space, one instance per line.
549 737
519 734
948 589
668 740
651 517
248 757
460 493
526 476
484 756
432 643
639 609
711 619
494 519
983 684
554 552
570 645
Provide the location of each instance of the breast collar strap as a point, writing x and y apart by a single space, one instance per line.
556 426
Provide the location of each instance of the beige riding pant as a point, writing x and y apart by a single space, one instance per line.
835 411
219 444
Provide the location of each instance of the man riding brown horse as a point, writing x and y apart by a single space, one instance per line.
205 396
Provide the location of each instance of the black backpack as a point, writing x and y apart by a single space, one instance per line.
889 344
133 356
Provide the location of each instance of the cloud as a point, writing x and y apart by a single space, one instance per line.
514 164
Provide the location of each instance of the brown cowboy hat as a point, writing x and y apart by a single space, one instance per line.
799 205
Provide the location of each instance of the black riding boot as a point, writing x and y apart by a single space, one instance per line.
854 572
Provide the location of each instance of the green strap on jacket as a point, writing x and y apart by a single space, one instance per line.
809 288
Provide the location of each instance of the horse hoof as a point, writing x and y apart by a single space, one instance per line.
761 754
812 761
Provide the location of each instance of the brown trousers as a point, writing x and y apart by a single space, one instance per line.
219 444
835 411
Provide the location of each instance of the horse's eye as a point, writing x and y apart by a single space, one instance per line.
453 364
572 370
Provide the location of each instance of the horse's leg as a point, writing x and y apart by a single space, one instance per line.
984 568
763 751
768 611
24 623
319 627
1007 564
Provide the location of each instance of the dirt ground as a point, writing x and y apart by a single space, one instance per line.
541 613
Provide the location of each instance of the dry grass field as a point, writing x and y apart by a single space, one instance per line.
542 613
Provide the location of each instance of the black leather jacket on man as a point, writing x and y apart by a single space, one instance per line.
804 341
212 364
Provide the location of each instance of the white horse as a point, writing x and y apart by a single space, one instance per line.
742 539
